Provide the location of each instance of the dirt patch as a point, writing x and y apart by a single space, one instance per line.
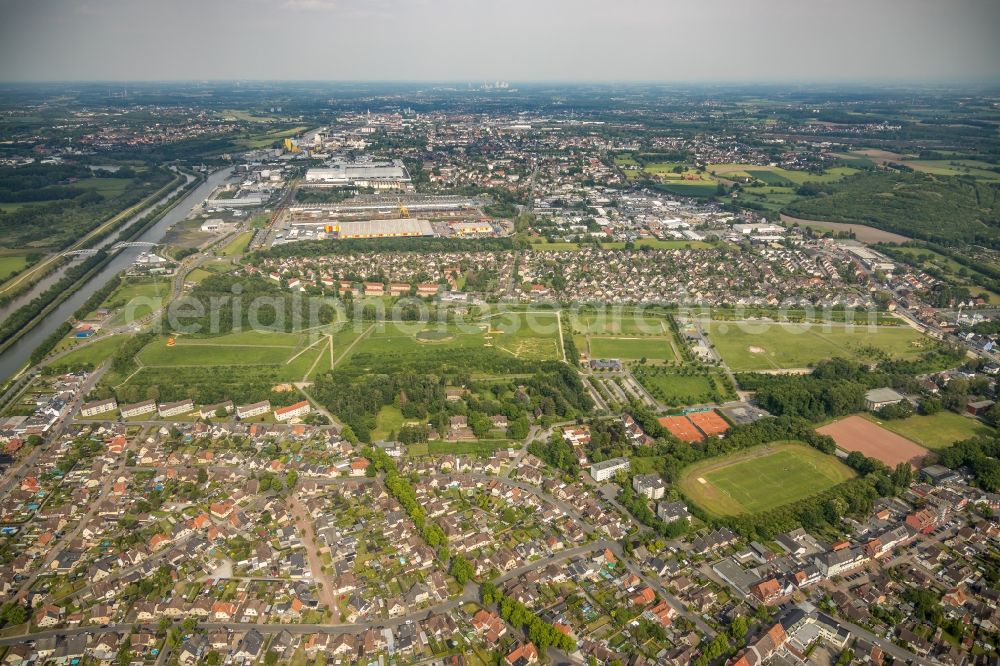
858 434
861 232
755 350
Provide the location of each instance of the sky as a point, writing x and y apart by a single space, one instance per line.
807 41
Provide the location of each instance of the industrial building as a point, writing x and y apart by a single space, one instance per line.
377 175
400 228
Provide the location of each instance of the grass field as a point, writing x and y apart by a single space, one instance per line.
761 478
93 353
760 346
237 245
677 389
413 337
11 263
773 175
134 300
388 421
652 348
244 348
531 336
207 270
613 323
936 431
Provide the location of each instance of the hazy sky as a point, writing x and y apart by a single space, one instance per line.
516 40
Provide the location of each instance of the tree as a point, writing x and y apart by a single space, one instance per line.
461 569
738 629
930 406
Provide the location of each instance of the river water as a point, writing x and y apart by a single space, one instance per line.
16 356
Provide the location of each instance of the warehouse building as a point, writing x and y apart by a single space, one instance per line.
377 175
401 228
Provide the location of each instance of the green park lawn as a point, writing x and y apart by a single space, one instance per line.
761 478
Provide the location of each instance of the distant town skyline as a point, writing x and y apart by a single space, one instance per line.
545 40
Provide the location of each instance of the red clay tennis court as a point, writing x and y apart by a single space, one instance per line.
858 434
681 428
709 423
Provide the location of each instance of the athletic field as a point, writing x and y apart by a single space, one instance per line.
769 346
761 478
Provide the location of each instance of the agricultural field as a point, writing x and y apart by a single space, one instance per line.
761 478
772 175
758 346
936 431
974 168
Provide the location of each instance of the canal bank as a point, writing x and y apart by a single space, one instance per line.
15 358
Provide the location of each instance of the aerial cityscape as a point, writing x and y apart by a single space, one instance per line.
355 338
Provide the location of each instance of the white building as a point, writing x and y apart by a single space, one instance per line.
138 408
98 407
650 486
174 408
292 411
603 471
256 409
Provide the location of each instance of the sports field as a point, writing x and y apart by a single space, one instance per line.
681 428
768 346
761 478
656 349
938 430
243 348
618 322
856 433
